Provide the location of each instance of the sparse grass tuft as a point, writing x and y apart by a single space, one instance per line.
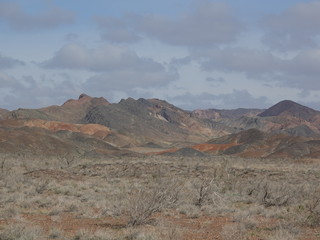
282 234
144 202
120 196
233 231
21 232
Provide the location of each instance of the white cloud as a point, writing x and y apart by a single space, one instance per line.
302 71
232 100
209 24
252 62
28 92
8 62
17 18
215 80
116 68
117 30
296 28
305 63
299 71
105 58
127 80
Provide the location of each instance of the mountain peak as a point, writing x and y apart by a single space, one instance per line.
83 95
289 107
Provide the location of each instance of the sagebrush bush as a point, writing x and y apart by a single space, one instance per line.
144 202
21 232
282 234
233 231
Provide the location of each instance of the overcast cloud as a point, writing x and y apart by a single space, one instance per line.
7 62
294 29
126 80
12 14
28 91
250 61
115 67
104 58
199 54
209 24
235 99
117 30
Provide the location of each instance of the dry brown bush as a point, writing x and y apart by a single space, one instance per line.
308 212
21 232
282 234
233 231
204 189
217 186
144 202
270 192
313 209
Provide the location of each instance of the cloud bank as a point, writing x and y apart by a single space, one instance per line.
294 29
8 62
17 18
209 24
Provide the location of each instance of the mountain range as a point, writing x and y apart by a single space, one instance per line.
91 127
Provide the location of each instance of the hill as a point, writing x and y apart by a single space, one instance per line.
72 111
152 120
285 117
225 113
93 125
292 118
254 143
46 138
289 108
3 112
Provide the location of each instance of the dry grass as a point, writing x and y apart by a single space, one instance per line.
125 198
21 232
282 234
234 231
142 203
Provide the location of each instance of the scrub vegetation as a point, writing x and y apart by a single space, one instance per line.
159 197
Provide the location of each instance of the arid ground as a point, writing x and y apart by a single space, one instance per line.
159 197
147 170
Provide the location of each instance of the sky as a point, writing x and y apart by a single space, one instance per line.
195 54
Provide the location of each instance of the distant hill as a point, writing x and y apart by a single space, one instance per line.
43 138
273 145
185 152
254 143
3 113
152 120
72 111
230 114
90 126
292 118
290 108
285 117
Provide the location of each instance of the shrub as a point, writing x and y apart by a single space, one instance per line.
147 201
308 213
204 189
21 232
282 234
233 231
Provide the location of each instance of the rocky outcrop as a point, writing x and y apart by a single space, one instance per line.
290 108
3 113
72 111
151 120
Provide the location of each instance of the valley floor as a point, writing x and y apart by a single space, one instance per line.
157 197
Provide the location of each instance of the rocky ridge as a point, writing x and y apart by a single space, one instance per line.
93 125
